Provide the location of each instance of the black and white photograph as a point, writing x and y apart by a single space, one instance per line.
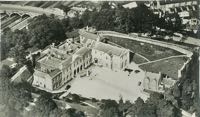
100 58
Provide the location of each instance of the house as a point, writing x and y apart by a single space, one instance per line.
9 62
110 56
60 65
157 82
177 37
88 37
76 10
22 75
130 5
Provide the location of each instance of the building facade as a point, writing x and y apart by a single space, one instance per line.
157 82
60 65
109 56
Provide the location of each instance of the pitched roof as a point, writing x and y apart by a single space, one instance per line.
7 61
22 74
82 51
88 35
107 48
168 81
54 72
68 61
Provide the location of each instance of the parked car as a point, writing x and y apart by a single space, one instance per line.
137 71
67 87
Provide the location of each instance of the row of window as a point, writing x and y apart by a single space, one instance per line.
56 85
57 78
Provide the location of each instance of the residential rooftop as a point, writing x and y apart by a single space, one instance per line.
88 35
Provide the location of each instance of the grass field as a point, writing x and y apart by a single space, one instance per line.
151 52
168 66
137 59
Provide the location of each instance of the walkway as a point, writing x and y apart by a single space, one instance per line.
162 59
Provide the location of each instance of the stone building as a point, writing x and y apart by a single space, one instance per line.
157 82
60 65
110 56
88 37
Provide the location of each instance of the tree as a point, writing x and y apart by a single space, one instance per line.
44 106
143 18
66 9
45 30
18 52
165 108
5 71
109 108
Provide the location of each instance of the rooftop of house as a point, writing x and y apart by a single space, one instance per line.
168 81
22 74
130 5
50 61
107 48
41 74
67 46
80 9
88 35
8 62
54 72
82 51
67 62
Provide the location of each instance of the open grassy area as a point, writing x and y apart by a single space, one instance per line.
137 59
151 52
168 66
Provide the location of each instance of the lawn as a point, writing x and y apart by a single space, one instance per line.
151 52
137 59
168 66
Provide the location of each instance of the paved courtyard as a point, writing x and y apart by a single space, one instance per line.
106 84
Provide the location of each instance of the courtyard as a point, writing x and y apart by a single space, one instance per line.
104 83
